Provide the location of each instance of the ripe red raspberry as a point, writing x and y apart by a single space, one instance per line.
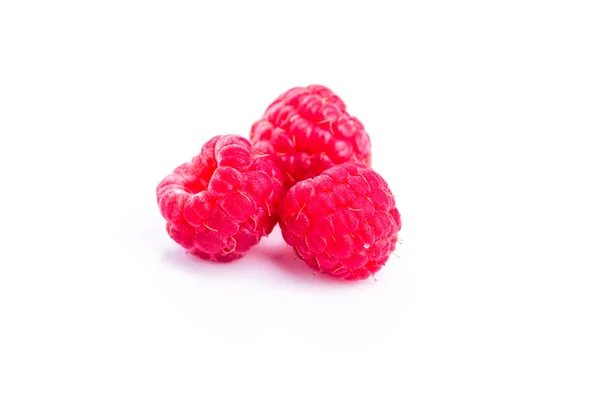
308 130
343 222
221 203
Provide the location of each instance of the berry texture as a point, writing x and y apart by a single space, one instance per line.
308 130
343 222
221 203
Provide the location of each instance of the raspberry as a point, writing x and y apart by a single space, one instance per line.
221 203
343 222
308 131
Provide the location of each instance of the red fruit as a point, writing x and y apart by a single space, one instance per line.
221 203
343 222
308 130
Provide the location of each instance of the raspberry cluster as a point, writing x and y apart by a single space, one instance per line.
306 166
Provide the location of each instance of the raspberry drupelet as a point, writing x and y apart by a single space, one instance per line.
344 222
221 203
308 130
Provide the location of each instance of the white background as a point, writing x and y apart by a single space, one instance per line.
484 119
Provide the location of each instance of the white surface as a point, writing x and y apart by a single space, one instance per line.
484 119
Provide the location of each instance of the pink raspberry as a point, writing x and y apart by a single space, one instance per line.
343 222
308 130
221 203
